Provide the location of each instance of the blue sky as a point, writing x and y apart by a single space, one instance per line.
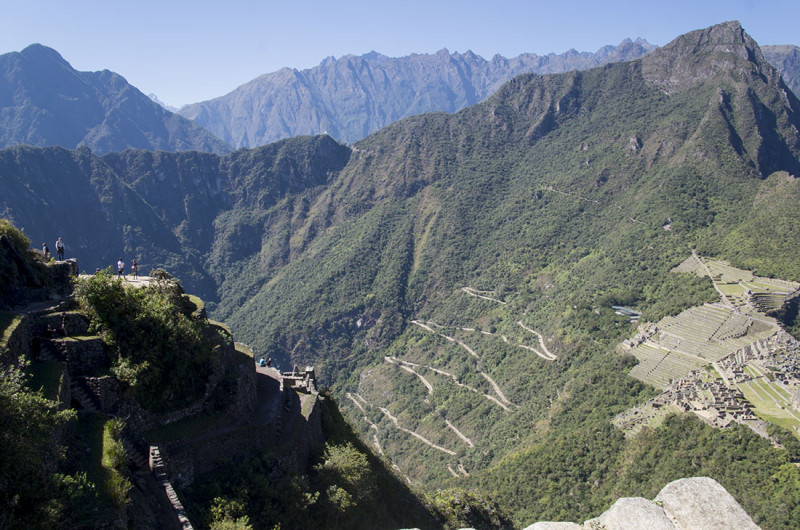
188 51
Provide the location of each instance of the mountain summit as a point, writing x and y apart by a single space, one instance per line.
44 101
353 96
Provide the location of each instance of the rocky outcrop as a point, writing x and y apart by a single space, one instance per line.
698 503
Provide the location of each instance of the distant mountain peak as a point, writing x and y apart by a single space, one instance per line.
351 102
44 101
702 54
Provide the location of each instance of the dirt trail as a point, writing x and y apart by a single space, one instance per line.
460 434
496 388
456 381
371 425
471 352
702 263
415 435
549 355
474 292
411 370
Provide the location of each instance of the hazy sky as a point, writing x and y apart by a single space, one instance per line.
188 51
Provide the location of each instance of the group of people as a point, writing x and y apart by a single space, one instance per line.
59 250
121 269
120 263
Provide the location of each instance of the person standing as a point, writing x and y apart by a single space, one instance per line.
45 251
135 270
121 268
59 249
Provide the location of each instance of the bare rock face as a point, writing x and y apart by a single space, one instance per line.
632 512
698 503
726 48
702 503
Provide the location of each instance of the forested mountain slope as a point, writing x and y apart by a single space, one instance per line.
456 280
44 101
452 276
353 96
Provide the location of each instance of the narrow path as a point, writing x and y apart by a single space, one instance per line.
415 435
552 357
474 292
496 388
456 381
461 468
702 263
460 434
422 325
450 469
534 350
472 352
551 188
425 382
366 419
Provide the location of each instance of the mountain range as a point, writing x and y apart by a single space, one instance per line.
44 101
453 277
353 96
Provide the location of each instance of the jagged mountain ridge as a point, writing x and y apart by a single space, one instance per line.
785 58
44 101
550 197
354 96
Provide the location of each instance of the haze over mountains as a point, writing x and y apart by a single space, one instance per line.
44 101
452 276
353 96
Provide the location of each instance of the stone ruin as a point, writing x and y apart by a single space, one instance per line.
301 380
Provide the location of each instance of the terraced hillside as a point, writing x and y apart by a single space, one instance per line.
698 336
727 361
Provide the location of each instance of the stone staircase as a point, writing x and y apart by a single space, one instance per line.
159 470
81 393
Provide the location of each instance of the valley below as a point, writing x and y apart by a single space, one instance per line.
583 288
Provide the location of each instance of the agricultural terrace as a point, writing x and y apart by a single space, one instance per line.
770 399
702 335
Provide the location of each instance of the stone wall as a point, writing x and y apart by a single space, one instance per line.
84 356
290 438
18 345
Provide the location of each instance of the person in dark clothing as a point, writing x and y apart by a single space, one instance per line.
59 249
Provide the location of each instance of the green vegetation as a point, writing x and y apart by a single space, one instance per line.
345 486
115 463
558 197
8 321
17 237
158 351
34 491
47 377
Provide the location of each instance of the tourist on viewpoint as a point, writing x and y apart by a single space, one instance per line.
121 269
59 249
